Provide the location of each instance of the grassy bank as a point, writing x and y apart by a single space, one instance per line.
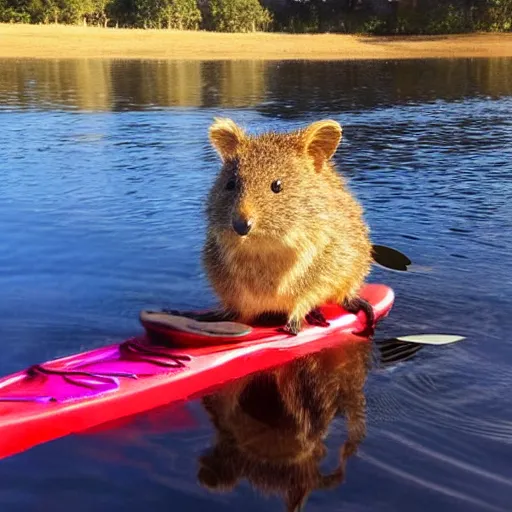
59 41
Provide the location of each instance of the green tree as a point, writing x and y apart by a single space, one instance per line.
75 12
182 14
99 14
498 16
148 13
44 11
12 11
122 13
238 15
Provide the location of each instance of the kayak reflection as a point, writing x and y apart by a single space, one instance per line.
271 426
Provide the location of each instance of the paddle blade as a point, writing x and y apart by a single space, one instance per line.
390 258
431 339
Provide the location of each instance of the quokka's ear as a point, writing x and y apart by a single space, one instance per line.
321 140
225 136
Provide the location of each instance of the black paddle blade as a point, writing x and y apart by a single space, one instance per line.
393 351
390 258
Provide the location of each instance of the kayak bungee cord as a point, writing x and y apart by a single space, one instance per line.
130 349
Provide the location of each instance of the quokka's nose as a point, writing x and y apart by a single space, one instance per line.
242 226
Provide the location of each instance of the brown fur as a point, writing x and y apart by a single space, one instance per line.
271 426
309 243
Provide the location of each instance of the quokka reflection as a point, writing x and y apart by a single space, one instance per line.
271 426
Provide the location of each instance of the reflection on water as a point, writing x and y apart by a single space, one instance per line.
117 85
270 427
104 166
270 87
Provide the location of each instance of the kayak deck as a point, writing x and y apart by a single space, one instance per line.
74 393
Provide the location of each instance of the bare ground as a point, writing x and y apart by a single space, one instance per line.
58 41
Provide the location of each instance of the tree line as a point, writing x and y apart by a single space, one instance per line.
304 16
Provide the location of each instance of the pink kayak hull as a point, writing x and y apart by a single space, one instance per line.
120 380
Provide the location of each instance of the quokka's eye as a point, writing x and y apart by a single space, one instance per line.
231 184
276 186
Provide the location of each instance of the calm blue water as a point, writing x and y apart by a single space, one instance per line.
104 167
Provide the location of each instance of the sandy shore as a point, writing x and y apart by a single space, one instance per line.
34 41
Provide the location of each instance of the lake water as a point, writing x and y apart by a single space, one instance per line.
104 166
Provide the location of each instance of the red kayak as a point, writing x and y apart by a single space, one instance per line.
75 393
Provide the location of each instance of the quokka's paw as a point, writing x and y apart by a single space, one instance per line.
357 304
315 317
293 327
